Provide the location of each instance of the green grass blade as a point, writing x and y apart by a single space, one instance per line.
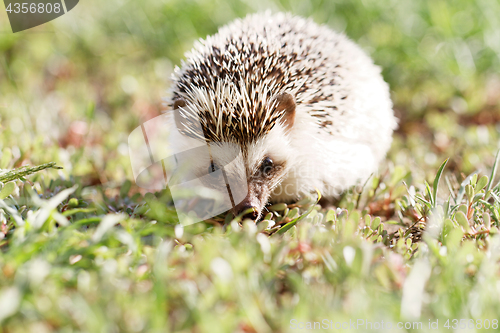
450 188
497 199
491 208
26 171
425 202
461 190
78 210
436 182
428 191
493 172
290 224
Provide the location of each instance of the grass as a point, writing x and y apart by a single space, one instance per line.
83 249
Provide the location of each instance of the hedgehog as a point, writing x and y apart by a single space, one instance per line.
306 106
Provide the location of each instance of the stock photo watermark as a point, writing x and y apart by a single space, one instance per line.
376 325
198 193
200 188
25 15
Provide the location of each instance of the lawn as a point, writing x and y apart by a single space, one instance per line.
83 249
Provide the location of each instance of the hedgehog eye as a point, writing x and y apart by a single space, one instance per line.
212 167
266 166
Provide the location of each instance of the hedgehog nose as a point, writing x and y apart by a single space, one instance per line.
251 215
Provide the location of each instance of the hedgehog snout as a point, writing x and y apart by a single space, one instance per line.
252 215
257 196
249 205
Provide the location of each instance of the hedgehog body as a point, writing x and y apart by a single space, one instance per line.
306 105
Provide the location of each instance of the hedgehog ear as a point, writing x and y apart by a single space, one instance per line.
286 103
179 103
